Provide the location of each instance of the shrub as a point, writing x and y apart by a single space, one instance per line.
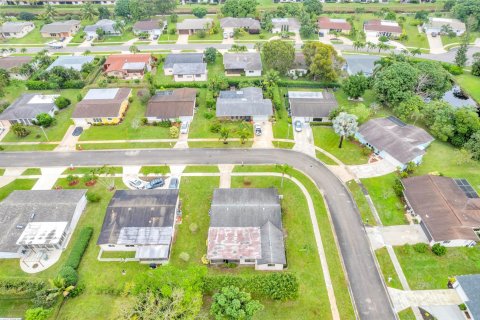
439 250
12 287
79 247
174 132
27 16
20 130
184 256
215 127
199 12
193 227
201 34
208 115
420 247
92 197
44 120
37 314
276 286
77 291
398 187
62 102
69 274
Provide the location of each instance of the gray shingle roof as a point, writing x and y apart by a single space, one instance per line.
46 205
148 25
8 63
400 141
292 23
189 68
360 63
251 207
28 106
311 104
105 24
59 26
244 60
174 58
244 103
71 62
14 27
248 23
139 210
471 286
194 24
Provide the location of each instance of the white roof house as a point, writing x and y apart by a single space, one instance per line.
436 25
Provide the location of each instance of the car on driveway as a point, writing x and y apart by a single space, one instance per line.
258 130
137 183
298 126
155 183
184 127
173 183
77 131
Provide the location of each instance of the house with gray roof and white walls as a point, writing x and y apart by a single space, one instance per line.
246 104
16 29
248 63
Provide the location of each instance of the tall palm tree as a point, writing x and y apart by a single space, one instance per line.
284 169
244 134
271 78
370 46
88 12
224 134
50 12
382 46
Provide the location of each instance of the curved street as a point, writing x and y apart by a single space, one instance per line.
369 292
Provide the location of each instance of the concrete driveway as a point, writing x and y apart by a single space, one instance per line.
304 140
265 139
374 169
396 235
182 39
435 43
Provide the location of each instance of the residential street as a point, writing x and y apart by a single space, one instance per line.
370 295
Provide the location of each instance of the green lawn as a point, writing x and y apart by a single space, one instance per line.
193 169
283 144
85 170
32 172
362 204
415 39
155 169
219 144
14 306
215 37
168 37
328 140
217 67
124 145
470 84
54 132
389 206
324 158
262 36
33 37
124 37
446 40
19 184
2 171
127 130
28 147
426 271
388 270
406 314
282 127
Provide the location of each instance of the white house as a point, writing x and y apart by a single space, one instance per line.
248 63
434 25
185 72
16 29
285 25
177 58
378 28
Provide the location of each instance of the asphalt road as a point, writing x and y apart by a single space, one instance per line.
370 296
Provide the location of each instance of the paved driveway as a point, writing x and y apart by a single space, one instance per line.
396 235
374 169
182 39
413 298
265 139
435 43
304 140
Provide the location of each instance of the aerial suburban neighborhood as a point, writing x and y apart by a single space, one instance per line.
240 159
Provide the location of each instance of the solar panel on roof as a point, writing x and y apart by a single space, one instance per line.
465 186
164 93
397 121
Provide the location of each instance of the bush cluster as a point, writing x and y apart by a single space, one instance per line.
20 286
79 248
44 85
276 286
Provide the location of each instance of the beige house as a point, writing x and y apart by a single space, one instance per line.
60 29
16 29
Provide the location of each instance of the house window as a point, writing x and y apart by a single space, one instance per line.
446 241
249 260
271 264
96 120
198 75
130 246
109 119
180 76
111 245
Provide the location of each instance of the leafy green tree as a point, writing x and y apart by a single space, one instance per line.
20 130
473 145
308 26
278 55
271 78
395 83
103 13
244 134
44 119
345 125
122 8
461 55
362 112
210 54
433 80
62 102
133 49
421 15
50 12
239 8
466 123
140 9
323 61
165 6
464 9
442 127
409 109
313 7
199 12
355 85
232 303
476 64
88 11
217 83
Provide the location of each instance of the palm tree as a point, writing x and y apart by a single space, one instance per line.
382 46
416 51
284 169
345 125
244 134
118 26
59 288
271 78
224 134
258 46
23 50
133 49
50 12
370 46
88 12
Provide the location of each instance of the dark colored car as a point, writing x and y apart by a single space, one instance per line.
77 131
173 183
155 183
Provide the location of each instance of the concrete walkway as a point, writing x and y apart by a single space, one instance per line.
396 235
374 169
69 142
48 178
182 39
405 299
182 142
225 175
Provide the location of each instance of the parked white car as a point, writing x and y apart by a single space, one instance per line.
137 184
184 127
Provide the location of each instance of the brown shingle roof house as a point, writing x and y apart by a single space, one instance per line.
172 105
327 24
128 65
9 63
102 106
382 27
449 209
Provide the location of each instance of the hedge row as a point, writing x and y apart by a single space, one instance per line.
255 82
44 85
276 286
20 286
79 248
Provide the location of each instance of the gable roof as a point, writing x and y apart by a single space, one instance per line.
22 207
148 25
382 26
106 25
444 208
292 23
439 22
243 103
400 140
15 26
246 223
172 104
471 286
59 26
71 62
337 24
243 60
142 217
247 23
99 103
28 106
174 58
11 62
194 24
189 68
360 63
115 62
311 104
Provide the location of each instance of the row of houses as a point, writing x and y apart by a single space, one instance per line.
245 225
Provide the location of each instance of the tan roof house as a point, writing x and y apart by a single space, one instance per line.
60 29
16 29
173 105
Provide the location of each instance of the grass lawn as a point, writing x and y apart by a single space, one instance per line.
217 67
19 184
216 37
85 170
124 145
14 307
327 139
127 130
124 37
33 37
118 254
446 40
342 294
324 158
362 204
28 147
406 314
388 270
426 271
219 144
32 172
155 169
2 171
262 36
415 39
282 127
470 84
283 144
441 158
389 206
193 169
54 132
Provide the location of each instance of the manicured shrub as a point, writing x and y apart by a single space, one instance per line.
37 314
62 102
27 16
44 120
174 132
398 187
92 197
420 247
69 274
439 250
79 247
